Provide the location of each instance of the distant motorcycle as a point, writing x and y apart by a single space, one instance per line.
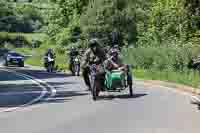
49 63
75 66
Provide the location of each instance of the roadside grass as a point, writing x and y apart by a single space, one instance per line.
188 77
185 77
37 55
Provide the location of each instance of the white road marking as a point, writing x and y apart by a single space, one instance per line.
36 81
192 96
53 90
44 91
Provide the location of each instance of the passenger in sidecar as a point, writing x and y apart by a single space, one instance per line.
118 75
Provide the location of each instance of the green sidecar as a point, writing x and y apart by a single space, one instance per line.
114 81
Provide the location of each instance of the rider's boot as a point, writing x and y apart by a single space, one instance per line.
86 78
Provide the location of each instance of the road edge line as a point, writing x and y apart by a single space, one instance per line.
192 96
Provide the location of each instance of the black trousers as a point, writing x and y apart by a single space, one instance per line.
100 77
86 76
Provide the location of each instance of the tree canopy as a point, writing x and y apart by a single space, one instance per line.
139 23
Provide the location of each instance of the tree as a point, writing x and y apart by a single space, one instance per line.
167 23
103 16
64 20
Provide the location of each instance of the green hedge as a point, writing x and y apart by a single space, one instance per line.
38 53
21 39
160 58
187 77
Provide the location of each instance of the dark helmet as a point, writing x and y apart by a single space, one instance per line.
116 46
50 50
114 52
93 43
73 48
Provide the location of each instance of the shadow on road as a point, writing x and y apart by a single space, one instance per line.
60 84
13 88
40 74
64 96
124 96
13 95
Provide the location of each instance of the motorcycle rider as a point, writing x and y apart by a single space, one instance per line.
50 53
73 53
93 54
114 62
114 48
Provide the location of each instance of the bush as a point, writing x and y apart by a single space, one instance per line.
60 50
188 77
21 40
16 41
19 18
104 17
159 58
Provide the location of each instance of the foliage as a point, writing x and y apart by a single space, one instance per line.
164 34
189 77
160 58
37 55
167 23
21 39
19 18
106 16
64 21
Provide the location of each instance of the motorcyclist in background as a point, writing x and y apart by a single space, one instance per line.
93 54
72 54
49 57
50 53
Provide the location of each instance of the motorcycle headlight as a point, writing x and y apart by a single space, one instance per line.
8 58
76 59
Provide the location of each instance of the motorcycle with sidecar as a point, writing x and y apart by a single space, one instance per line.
110 81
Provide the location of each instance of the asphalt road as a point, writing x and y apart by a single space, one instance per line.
71 110
16 90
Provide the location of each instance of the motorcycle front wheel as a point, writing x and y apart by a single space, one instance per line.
50 67
94 88
77 69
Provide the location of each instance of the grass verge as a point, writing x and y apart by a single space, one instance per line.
188 77
38 53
